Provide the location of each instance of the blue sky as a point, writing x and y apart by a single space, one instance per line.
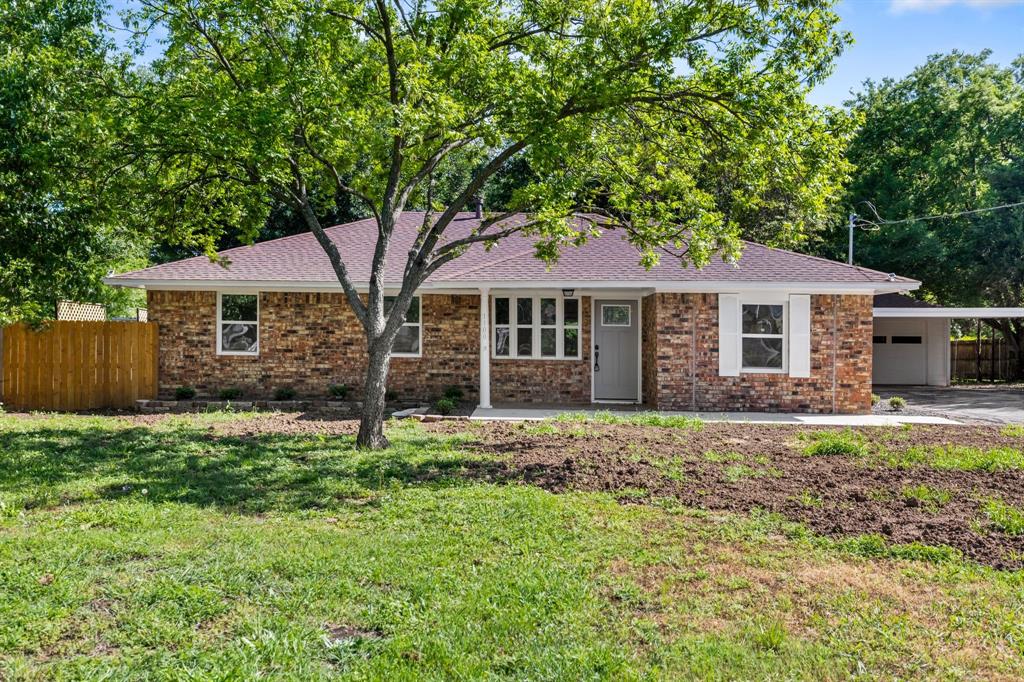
894 36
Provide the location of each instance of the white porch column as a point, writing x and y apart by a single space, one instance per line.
485 348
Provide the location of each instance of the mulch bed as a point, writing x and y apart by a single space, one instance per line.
851 496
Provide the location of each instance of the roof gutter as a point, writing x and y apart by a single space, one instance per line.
660 286
951 313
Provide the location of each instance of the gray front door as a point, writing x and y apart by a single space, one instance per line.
616 350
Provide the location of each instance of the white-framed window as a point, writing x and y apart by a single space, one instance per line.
238 324
763 337
409 342
615 315
545 327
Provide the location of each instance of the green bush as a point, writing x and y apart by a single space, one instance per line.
230 393
445 405
184 393
875 399
897 403
339 391
284 393
454 393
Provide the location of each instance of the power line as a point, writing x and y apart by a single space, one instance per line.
880 221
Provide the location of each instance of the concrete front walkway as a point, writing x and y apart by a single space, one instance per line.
1002 405
530 413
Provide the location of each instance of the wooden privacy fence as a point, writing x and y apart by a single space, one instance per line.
78 365
991 361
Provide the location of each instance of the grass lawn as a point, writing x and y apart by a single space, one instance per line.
187 547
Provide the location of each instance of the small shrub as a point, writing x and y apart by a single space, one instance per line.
445 405
897 403
339 391
284 393
875 399
454 393
844 442
184 393
230 393
1005 517
390 395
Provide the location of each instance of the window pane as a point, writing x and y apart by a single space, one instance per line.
571 311
235 307
408 340
411 315
238 337
572 343
762 353
501 340
548 311
524 311
615 315
524 341
548 343
762 319
501 311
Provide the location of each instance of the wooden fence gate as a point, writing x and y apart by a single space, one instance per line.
78 365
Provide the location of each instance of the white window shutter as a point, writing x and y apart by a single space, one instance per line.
728 335
800 335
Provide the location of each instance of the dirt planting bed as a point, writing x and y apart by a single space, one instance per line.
740 467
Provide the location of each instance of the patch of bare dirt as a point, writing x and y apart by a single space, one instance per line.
263 423
740 467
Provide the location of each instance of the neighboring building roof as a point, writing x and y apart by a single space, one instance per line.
898 305
298 261
900 301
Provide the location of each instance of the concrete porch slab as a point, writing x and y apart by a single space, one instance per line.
541 413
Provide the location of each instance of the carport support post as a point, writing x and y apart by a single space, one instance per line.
977 351
485 348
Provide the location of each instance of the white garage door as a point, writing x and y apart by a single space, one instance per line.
900 352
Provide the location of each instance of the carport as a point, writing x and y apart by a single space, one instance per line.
911 339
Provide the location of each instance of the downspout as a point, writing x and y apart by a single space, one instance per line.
693 351
835 347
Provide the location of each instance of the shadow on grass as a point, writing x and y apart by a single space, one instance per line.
46 465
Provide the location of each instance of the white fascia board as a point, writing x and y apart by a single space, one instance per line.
950 313
870 288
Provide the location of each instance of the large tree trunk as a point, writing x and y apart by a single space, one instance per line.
371 425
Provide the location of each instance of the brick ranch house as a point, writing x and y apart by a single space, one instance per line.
777 331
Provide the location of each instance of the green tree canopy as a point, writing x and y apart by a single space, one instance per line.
947 139
672 121
59 232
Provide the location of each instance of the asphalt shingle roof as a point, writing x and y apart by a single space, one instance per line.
609 258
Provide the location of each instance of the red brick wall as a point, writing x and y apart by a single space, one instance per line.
681 339
311 340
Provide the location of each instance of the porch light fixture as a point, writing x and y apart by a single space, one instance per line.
568 292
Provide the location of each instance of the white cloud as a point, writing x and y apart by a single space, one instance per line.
900 6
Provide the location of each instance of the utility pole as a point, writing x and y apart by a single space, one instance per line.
853 220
